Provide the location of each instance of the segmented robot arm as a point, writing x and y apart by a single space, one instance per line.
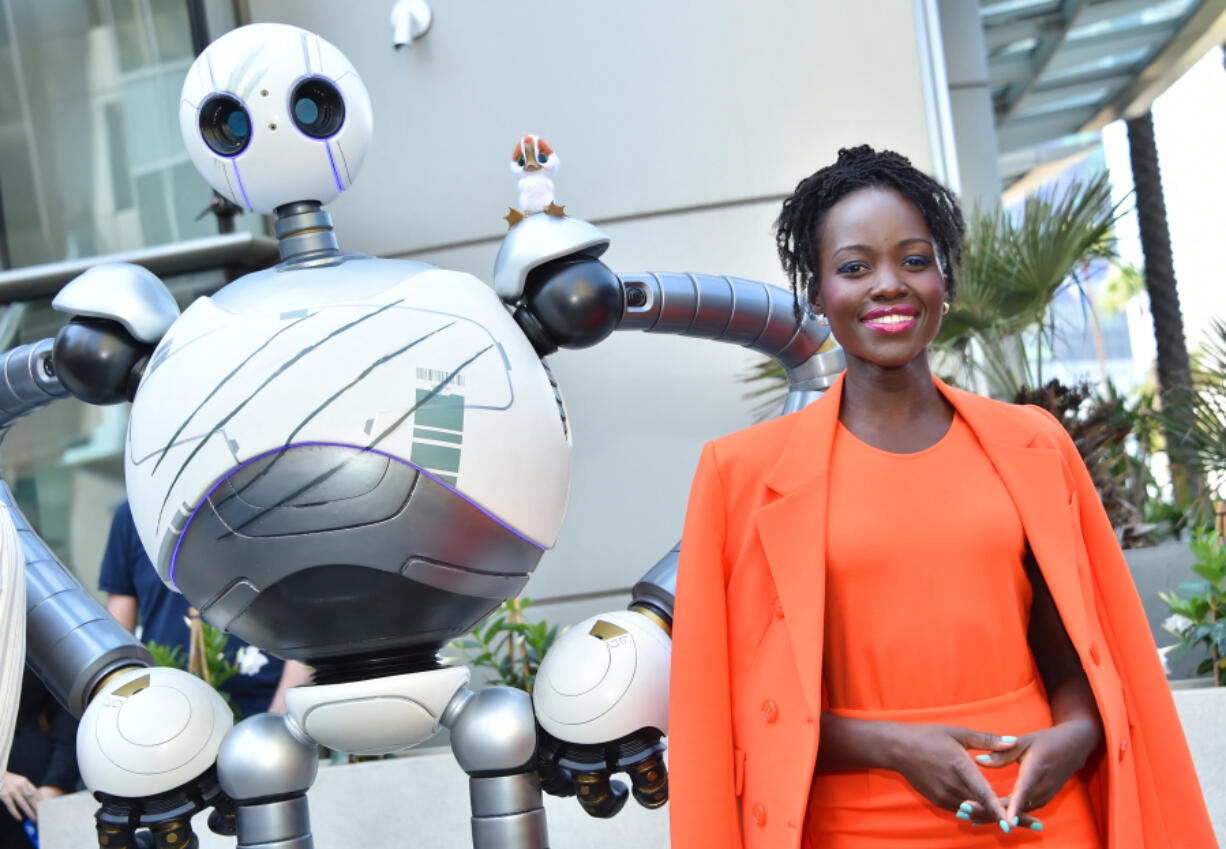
601 693
91 663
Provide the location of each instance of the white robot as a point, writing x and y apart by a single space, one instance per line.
350 461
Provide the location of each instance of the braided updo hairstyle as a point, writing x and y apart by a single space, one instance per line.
798 228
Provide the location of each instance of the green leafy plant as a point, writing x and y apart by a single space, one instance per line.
1198 608
1001 323
217 668
507 646
1198 415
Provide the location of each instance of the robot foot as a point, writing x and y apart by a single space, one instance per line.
585 771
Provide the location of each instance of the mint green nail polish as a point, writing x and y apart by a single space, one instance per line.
1015 821
1004 826
1008 739
983 759
979 823
962 815
1036 826
965 806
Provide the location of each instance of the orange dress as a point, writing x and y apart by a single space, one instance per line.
927 608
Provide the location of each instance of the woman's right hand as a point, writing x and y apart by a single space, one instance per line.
19 796
936 761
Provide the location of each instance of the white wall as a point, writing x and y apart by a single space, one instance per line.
680 126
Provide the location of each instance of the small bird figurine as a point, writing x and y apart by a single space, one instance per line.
535 162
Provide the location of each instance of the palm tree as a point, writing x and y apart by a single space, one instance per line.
1173 370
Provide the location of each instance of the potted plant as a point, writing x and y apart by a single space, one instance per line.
1198 608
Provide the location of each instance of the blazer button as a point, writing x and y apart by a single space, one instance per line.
1123 747
759 814
777 609
1095 654
770 711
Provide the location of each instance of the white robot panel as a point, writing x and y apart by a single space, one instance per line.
272 114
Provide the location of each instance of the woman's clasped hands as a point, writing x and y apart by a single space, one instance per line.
937 761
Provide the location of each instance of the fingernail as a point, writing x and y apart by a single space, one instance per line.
962 815
965 806
1015 820
1008 739
1004 826
983 759
979 823
1036 826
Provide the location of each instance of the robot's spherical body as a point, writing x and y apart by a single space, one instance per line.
356 458
271 114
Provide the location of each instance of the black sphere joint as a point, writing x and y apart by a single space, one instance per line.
95 359
576 300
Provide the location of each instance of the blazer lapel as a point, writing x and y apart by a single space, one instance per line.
1036 480
792 530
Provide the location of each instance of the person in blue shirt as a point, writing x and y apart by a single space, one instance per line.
135 594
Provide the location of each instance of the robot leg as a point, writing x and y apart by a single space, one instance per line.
265 766
493 737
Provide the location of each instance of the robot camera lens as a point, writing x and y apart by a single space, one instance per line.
318 108
225 125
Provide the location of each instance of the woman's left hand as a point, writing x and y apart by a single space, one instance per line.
1047 759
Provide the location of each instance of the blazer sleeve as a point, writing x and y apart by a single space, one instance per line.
1173 807
703 806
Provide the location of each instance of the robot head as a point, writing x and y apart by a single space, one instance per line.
273 114
533 155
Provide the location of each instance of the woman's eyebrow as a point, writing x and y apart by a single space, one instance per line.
851 248
915 240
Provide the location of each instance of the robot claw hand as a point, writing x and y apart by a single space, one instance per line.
601 700
147 747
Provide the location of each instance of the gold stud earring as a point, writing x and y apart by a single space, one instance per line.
945 308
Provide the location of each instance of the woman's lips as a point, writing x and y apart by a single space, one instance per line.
889 322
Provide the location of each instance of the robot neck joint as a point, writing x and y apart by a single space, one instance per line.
304 230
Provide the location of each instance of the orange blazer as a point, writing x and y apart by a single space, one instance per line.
747 642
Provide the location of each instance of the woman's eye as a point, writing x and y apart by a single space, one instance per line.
917 261
852 267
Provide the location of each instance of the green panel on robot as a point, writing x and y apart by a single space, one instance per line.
441 457
441 411
439 435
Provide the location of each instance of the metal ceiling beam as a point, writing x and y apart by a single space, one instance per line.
1086 50
1027 132
1070 10
1039 102
998 36
1203 31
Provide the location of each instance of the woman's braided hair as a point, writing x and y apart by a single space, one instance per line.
798 228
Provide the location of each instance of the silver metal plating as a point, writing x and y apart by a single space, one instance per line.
501 794
658 588
275 823
119 291
262 757
304 229
72 644
27 381
494 731
539 239
517 831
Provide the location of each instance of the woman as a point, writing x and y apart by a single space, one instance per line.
901 613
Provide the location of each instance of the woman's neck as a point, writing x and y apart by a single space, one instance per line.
894 409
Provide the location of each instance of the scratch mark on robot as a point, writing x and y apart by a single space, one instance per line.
218 387
244 77
328 402
324 476
344 162
212 80
256 392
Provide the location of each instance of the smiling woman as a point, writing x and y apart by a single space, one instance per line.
891 572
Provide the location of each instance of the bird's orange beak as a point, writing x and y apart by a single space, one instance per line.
530 155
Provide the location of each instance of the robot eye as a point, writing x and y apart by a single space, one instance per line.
225 125
542 158
317 107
